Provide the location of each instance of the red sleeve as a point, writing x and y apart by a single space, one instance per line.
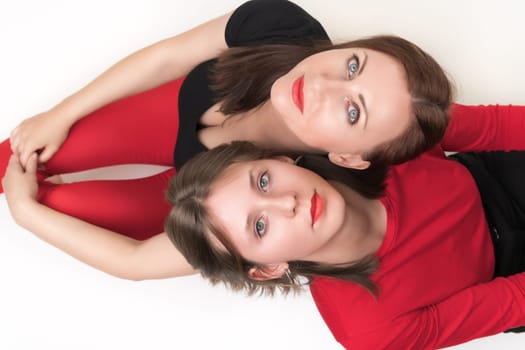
475 312
485 128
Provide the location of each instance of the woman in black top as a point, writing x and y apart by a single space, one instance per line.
377 100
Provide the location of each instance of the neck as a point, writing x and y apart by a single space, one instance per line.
363 230
266 128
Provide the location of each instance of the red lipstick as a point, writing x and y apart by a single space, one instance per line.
297 93
316 207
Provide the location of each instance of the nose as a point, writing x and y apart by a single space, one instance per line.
284 203
326 85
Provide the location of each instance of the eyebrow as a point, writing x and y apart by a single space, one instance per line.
361 98
253 186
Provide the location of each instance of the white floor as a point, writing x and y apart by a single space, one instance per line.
49 49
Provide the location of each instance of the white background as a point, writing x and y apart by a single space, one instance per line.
49 49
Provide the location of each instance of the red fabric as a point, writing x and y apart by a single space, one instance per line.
5 154
140 129
437 260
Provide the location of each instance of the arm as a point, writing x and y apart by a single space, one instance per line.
475 312
485 128
105 250
152 66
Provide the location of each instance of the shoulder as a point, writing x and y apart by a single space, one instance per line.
345 307
271 22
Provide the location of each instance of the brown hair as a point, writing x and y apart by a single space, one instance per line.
188 225
259 67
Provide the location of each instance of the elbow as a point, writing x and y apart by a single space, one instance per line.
127 275
122 271
129 278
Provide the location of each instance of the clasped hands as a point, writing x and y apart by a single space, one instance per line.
20 184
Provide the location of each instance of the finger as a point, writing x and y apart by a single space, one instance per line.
13 140
46 154
13 159
14 165
32 163
14 132
24 156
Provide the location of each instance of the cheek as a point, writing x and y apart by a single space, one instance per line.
279 95
327 134
285 237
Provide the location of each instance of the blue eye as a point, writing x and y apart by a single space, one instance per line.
264 181
260 227
353 66
353 113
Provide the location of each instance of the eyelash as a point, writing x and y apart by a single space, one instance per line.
260 231
349 74
352 110
264 176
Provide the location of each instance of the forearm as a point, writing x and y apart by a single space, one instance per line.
141 71
485 128
102 249
152 66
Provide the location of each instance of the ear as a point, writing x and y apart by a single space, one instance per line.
349 160
267 272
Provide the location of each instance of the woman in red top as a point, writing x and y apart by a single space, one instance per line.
421 257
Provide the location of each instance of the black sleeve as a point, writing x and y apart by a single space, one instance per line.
272 22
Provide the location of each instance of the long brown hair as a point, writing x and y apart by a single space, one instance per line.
243 76
189 225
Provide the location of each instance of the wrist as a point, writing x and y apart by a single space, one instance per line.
22 210
69 110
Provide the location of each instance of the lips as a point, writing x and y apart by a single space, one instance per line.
316 207
297 93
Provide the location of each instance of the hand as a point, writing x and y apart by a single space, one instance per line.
20 186
43 133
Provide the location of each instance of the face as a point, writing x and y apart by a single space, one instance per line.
273 211
344 100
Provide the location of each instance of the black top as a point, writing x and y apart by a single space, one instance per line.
253 23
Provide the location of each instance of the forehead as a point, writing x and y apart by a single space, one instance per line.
385 88
232 173
229 186
226 203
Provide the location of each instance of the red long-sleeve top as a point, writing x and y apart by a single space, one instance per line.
437 258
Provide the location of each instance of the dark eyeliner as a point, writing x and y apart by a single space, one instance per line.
261 176
357 109
355 58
